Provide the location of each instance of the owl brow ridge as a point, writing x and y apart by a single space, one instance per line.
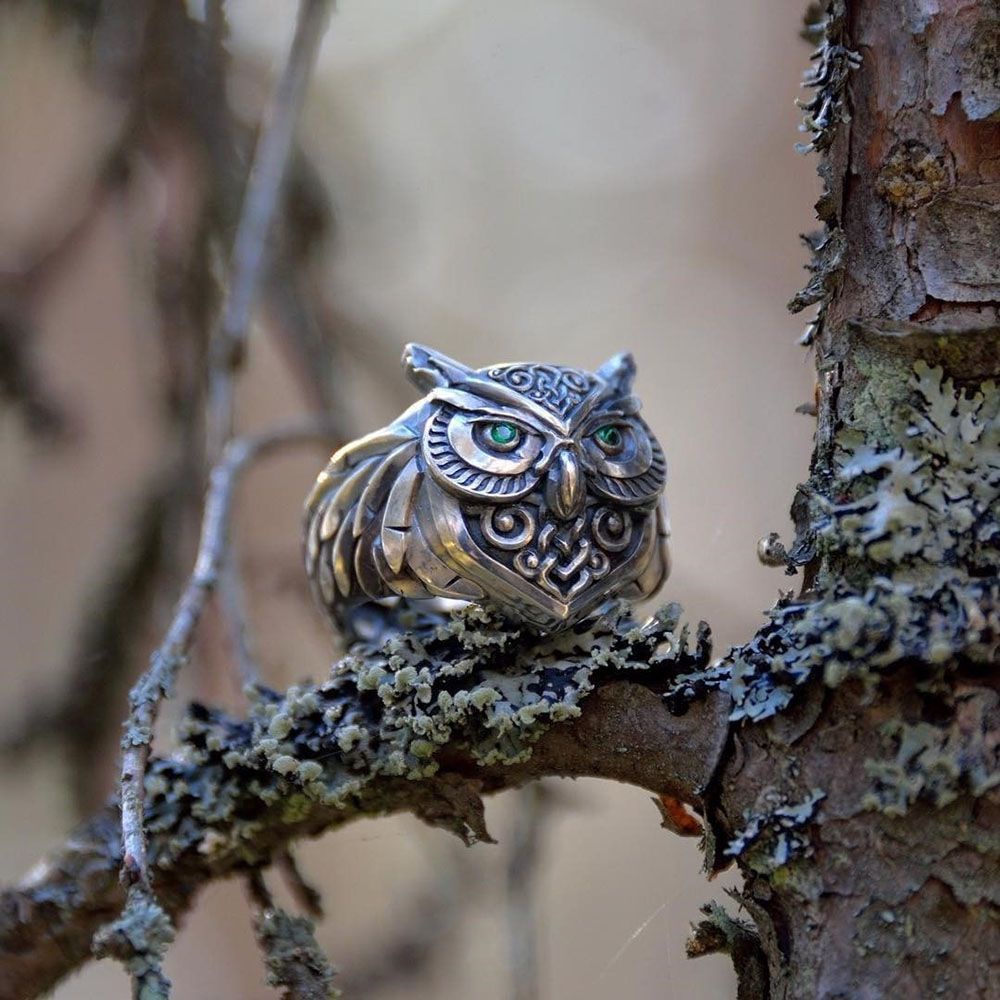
517 404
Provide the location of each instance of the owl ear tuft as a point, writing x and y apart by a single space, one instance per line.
429 369
618 372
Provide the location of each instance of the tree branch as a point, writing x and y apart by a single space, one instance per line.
260 204
172 652
243 794
294 961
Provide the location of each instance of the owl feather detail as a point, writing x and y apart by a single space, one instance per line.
535 488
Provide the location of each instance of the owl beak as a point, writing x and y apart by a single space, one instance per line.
564 487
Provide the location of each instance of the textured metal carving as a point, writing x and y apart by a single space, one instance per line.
557 389
535 488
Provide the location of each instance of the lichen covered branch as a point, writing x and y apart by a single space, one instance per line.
158 681
468 707
721 933
295 963
860 796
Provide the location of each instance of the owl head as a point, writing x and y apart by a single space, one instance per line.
536 488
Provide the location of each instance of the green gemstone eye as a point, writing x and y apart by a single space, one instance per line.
503 433
609 436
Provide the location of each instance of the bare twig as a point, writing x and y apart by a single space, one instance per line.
232 604
522 870
249 251
259 207
247 265
305 894
158 680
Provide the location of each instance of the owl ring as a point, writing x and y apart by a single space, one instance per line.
536 489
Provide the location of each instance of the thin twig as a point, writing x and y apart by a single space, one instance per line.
247 265
232 605
158 680
522 871
249 250
305 894
259 207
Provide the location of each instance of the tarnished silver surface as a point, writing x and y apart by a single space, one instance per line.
535 488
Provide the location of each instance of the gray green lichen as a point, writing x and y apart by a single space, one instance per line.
775 833
139 939
910 539
471 683
822 113
938 763
295 964
927 509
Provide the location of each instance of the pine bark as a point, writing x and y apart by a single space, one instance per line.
895 889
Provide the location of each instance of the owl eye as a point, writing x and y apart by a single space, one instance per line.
499 435
609 438
482 455
626 462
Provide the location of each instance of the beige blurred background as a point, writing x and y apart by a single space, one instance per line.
550 180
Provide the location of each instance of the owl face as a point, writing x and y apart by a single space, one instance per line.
535 487
493 453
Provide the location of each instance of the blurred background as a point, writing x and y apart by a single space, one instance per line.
551 180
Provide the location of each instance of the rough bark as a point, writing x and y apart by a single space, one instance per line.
894 889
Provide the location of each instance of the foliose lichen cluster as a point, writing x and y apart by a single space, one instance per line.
472 682
775 832
833 61
139 939
929 506
937 762
295 964
910 542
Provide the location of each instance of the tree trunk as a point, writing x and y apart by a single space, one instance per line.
889 748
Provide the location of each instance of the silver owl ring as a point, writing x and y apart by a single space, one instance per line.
536 489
